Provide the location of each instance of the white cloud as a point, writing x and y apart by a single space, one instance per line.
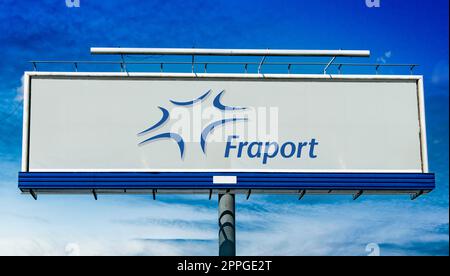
140 226
346 229
187 225
19 92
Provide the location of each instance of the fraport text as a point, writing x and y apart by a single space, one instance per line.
269 150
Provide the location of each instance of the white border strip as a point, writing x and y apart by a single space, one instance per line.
25 124
423 132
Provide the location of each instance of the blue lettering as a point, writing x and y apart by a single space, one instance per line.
300 147
269 150
257 154
229 146
266 151
241 148
283 150
311 148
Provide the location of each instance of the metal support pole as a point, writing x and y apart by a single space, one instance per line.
227 227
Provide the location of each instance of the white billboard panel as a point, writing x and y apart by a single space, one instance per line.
77 122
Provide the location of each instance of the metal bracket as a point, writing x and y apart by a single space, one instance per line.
261 64
210 194
75 66
339 69
301 194
161 67
411 69
33 194
123 66
289 68
246 68
328 65
206 67
416 195
34 66
376 68
95 194
249 193
154 194
358 194
193 64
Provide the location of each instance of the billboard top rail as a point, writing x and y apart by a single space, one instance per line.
228 52
245 65
248 66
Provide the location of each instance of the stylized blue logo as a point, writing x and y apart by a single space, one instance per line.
217 103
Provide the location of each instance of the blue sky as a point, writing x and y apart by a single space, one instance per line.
402 31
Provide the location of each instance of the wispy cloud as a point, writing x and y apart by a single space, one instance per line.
19 92
291 227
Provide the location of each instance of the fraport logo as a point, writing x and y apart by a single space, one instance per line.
235 147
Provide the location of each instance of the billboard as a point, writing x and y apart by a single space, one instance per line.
223 126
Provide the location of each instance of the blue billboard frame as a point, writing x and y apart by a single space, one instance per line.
176 182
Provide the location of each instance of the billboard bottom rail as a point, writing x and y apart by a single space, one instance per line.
356 184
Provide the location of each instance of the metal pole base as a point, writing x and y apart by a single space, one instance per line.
227 229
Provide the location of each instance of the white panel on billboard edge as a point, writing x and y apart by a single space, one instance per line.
55 151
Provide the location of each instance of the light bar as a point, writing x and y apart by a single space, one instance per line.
228 52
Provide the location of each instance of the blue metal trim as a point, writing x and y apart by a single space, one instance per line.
203 180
